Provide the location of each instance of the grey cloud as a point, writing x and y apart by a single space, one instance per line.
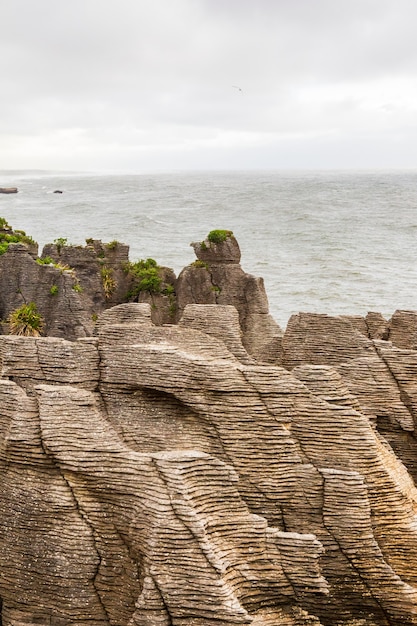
137 69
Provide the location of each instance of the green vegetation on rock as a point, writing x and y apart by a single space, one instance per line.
8 236
4 225
63 267
146 277
108 281
199 263
46 260
60 243
219 236
26 320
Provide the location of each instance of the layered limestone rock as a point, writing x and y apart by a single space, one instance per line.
158 475
104 271
94 531
99 270
380 375
72 285
54 290
403 329
218 278
210 472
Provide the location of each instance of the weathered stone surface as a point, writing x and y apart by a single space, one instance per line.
402 364
121 537
81 282
377 373
78 284
377 326
326 383
217 278
128 313
321 339
403 329
226 251
297 435
348 442
33 360
158 475
179 475
89 262
163 304
221 321
22 280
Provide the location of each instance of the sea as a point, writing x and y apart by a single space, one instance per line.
334 242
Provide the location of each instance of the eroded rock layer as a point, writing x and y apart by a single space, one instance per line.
380 375
212 471
160 475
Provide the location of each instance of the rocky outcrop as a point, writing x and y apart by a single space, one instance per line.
403 329
163 301
100 271
97 529
158 475
211 471
217 278
8 190
53 289
72 285
379 375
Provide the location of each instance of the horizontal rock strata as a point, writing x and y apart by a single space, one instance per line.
218 278
158 475
379 374
215 471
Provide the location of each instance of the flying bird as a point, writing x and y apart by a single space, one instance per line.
238 88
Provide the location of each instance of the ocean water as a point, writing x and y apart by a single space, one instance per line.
336 242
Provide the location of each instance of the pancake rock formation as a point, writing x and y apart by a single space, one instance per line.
72 285
210 471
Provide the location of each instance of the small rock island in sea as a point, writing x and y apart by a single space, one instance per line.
171 457
8 190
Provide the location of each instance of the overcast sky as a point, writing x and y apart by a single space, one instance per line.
136 85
